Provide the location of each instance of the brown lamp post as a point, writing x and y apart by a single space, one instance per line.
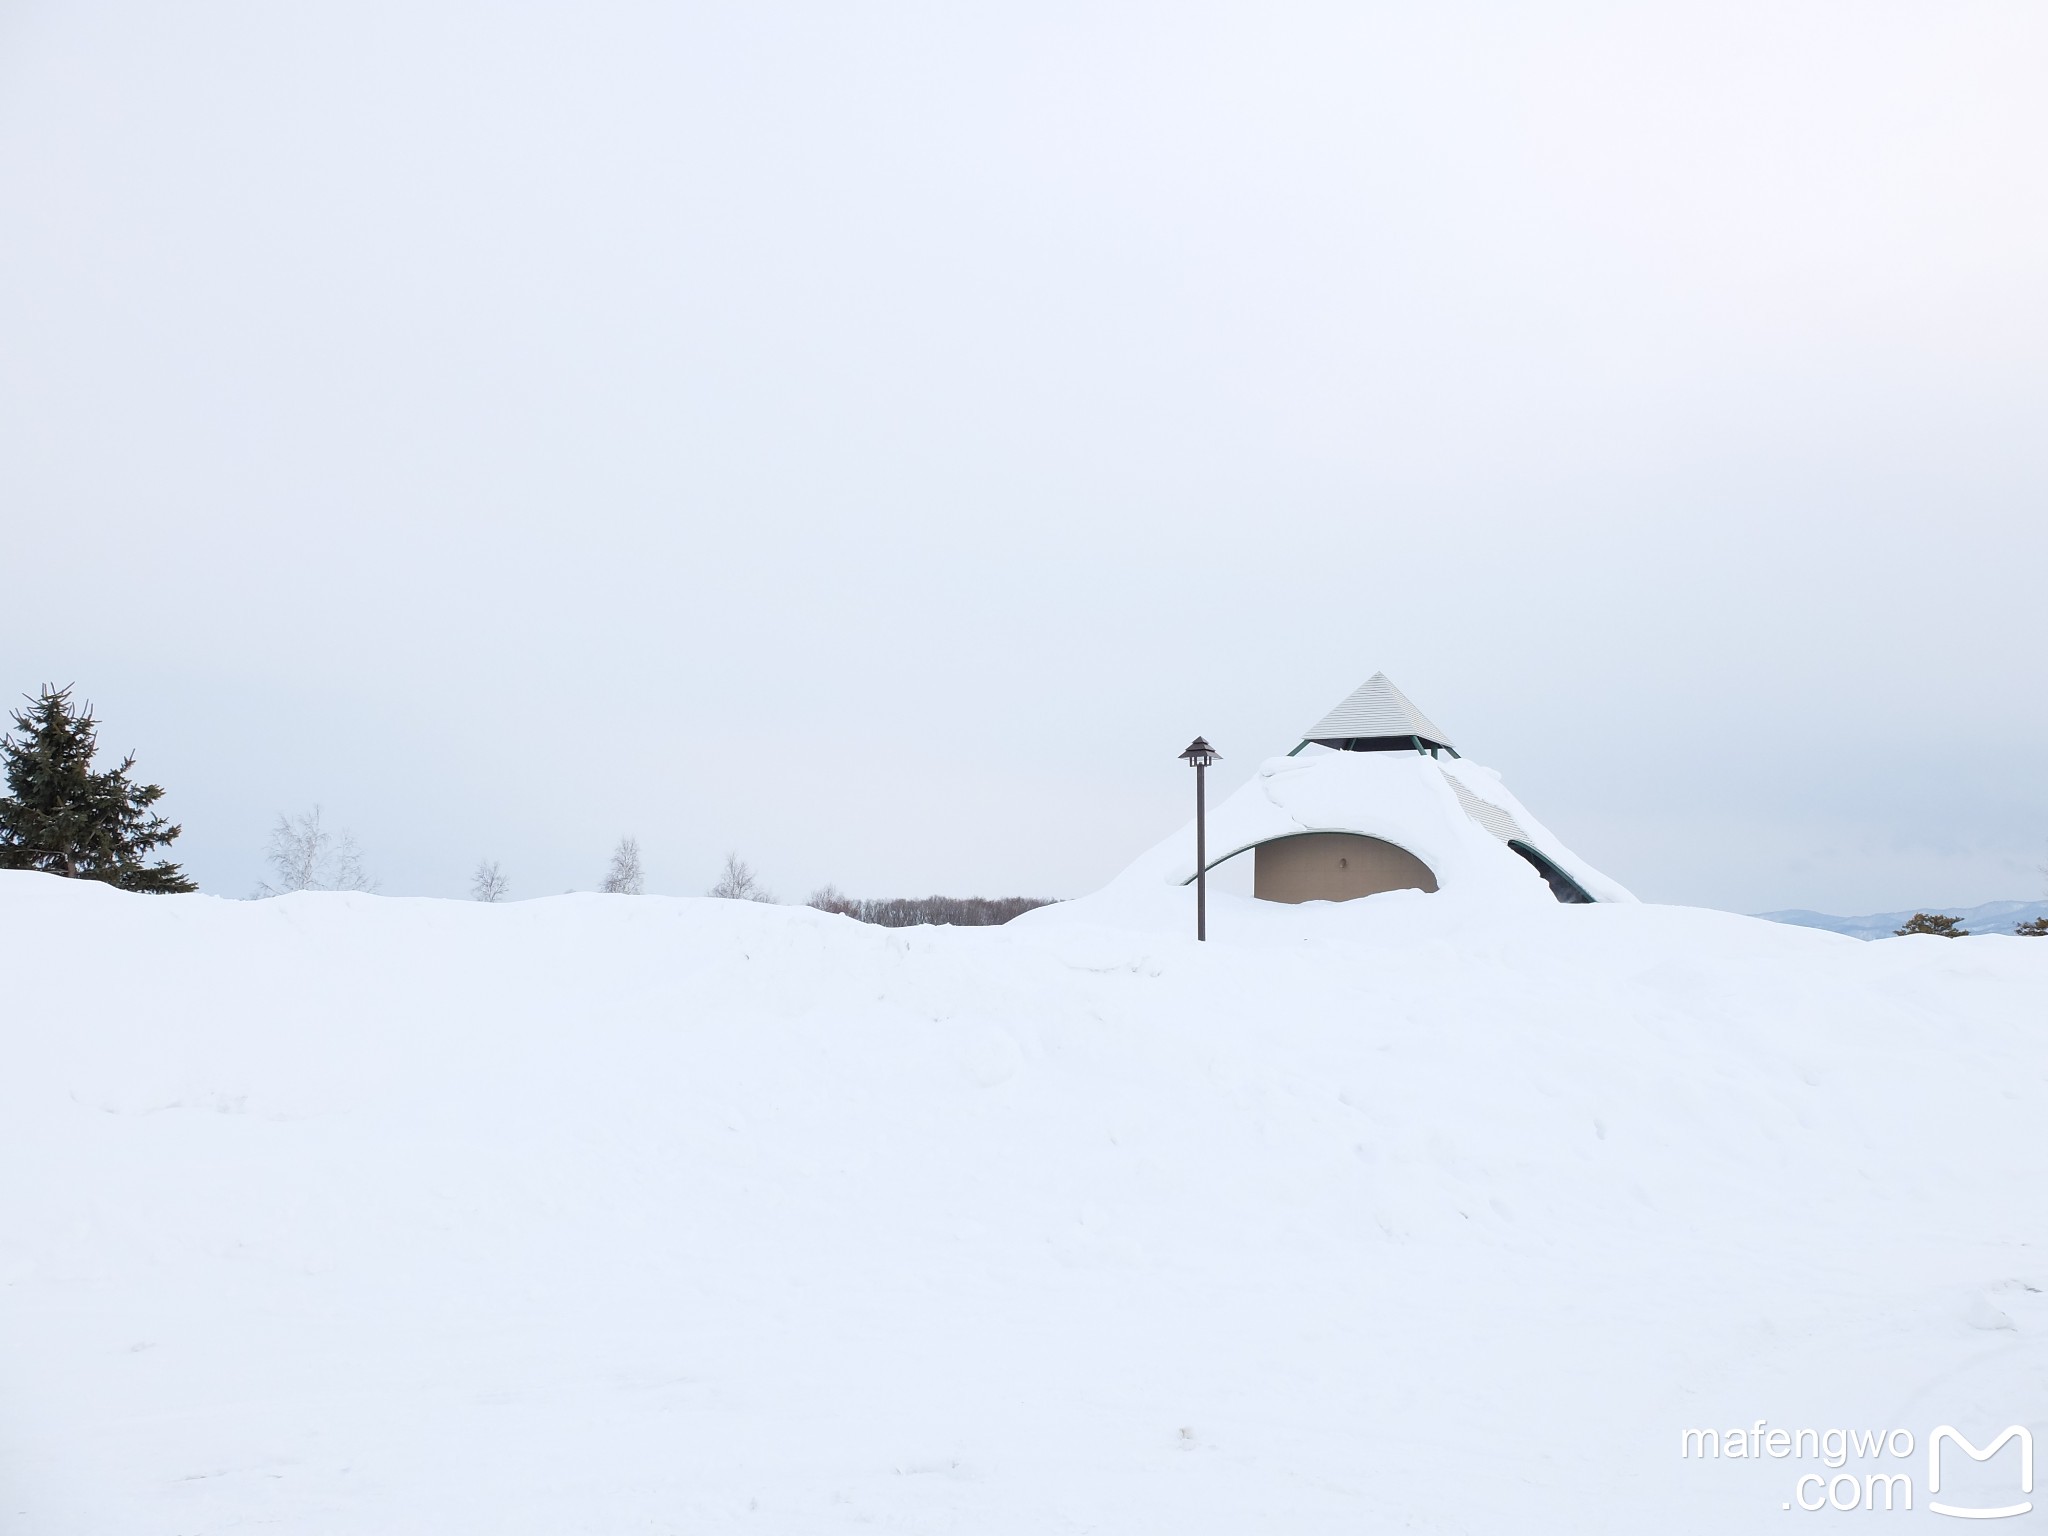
1199 756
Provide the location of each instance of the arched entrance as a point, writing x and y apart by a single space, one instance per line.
1335 866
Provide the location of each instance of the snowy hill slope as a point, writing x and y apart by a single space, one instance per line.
339 1214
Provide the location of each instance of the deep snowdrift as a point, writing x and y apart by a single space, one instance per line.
343 1214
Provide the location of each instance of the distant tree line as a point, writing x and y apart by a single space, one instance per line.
62 816
912 911
1942 926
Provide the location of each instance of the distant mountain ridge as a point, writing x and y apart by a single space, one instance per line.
1992 917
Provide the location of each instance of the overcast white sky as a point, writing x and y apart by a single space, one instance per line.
877 437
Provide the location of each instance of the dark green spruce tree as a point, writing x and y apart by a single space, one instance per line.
61 817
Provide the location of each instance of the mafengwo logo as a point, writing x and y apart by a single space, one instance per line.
2004 1492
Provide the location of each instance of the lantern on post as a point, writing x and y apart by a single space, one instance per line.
1199 756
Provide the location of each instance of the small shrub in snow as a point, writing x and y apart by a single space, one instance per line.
1936 923
2037 929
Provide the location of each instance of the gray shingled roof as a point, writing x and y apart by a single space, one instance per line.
1485 812
1376 709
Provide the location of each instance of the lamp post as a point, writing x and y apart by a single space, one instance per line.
1199 756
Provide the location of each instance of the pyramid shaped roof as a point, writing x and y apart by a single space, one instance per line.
1377 710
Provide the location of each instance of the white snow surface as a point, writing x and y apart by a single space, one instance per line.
345 1214
1406 798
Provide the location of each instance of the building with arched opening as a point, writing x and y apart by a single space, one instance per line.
1374 798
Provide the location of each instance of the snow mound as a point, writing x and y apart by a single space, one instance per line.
339 1214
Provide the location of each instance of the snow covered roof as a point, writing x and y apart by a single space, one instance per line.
1377 710
1451 814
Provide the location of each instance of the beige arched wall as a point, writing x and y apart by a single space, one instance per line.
1335 866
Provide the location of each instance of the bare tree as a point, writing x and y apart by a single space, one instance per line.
489 882
737 883
307 856
625 878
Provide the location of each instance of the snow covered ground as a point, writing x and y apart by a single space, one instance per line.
341 1214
